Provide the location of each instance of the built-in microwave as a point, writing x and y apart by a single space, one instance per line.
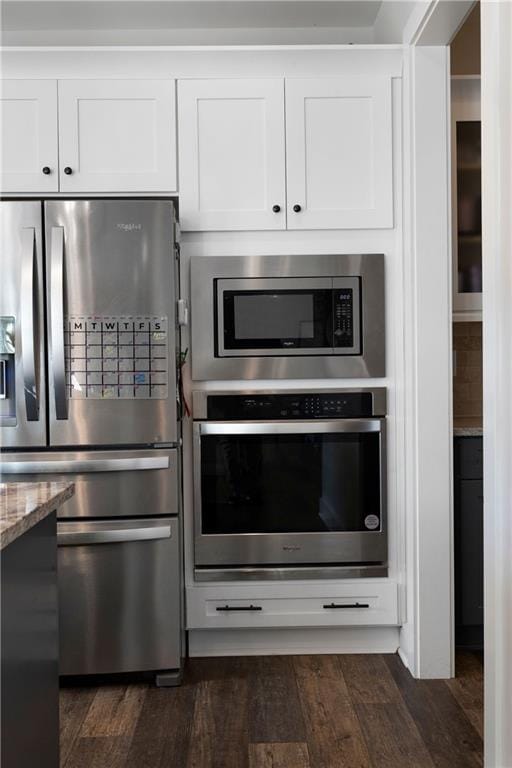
266 317
288 316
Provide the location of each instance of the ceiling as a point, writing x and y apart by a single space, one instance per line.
219 22
146 22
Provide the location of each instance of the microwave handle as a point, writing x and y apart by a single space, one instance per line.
289 427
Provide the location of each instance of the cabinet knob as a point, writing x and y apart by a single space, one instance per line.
297 208
47 170
276 208
68 171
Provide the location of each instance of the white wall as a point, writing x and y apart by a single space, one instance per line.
496 28
426 638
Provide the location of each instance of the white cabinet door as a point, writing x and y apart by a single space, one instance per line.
232 156
29 151
117 135
339 153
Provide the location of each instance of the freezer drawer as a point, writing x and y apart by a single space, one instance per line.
119 596
107 483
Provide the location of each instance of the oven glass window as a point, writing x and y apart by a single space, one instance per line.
280 319
290 483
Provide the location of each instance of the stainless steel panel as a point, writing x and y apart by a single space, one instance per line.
289 549
205 270
200 397
21 297
286 573
118 260
120 603
108 484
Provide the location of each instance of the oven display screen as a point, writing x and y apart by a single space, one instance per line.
270 315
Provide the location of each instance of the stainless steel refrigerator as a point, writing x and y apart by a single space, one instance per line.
88 391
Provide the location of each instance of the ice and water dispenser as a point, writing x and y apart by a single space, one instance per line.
7 372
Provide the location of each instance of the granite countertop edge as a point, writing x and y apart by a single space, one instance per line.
19 512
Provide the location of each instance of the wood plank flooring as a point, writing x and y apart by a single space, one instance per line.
280 712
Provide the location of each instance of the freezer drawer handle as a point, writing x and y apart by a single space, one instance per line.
57 321
27 324
113 536
226 608
347 605
84 465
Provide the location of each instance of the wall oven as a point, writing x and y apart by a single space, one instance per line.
288 316
290 483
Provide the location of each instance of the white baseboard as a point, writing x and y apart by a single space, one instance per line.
282 642
403 658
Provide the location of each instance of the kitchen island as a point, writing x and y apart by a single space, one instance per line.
29 615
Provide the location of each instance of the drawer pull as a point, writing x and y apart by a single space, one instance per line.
347 605
239 608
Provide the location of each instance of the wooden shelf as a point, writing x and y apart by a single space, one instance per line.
469 238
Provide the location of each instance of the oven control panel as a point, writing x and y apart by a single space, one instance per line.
264 407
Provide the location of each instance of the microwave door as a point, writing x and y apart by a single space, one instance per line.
22 378
111 307
274 317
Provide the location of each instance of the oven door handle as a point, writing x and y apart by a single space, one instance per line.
289 427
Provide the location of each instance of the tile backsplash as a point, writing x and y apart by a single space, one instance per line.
467 369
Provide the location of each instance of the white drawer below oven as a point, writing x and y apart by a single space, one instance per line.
317 605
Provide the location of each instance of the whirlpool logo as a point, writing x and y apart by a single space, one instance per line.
129 227
291 548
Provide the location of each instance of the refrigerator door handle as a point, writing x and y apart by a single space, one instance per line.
82 466
27 323
67 537
57 321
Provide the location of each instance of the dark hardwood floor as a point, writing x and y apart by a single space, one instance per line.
280 712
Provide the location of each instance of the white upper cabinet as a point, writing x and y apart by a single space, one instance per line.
29 153
339 153
333 170
117 135
232 154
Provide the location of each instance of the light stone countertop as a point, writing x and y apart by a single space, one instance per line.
23 505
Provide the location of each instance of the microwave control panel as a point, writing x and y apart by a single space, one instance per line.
343 305
318 405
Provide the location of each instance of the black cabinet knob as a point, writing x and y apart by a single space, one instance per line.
297 208
276 208
68 171
47 170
